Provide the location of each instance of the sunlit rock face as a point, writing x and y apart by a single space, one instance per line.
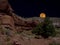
7 21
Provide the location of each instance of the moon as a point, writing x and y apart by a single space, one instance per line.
42 15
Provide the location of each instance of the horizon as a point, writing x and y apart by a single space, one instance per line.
34 8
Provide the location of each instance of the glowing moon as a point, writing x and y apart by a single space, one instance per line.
42 15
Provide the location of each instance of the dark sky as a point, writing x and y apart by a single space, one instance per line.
31 8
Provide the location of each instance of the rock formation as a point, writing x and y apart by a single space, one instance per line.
10 20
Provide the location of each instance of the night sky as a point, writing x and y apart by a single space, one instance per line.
32 8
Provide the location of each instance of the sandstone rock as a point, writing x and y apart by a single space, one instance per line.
13 23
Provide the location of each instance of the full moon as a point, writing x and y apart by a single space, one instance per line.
42 15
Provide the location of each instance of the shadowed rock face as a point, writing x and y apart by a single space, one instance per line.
3 4
5 7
